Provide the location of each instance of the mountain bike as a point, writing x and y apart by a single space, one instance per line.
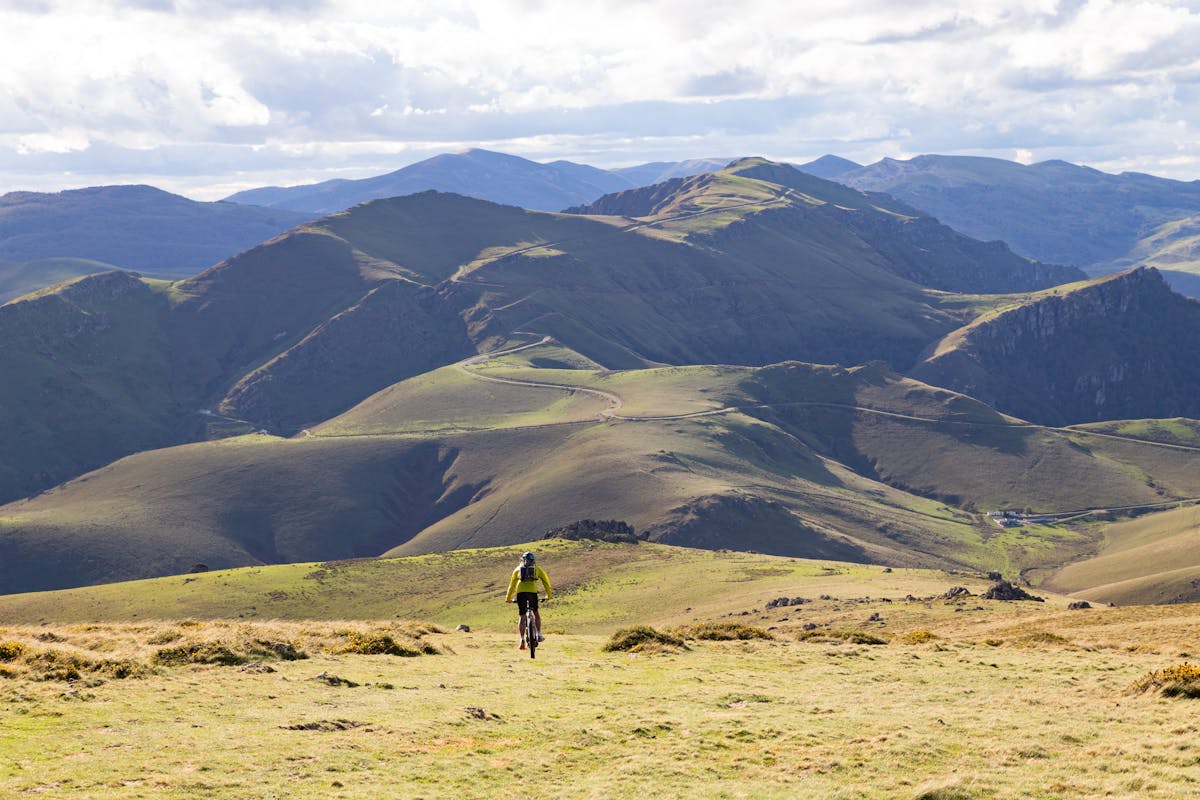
530 631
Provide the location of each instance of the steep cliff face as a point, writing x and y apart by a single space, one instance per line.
1124 347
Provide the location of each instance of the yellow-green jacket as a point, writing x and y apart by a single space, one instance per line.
515 584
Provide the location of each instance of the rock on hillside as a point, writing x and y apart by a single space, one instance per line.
1123 347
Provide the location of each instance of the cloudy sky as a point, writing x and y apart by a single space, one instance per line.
206 97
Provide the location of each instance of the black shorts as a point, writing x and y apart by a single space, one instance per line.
527 600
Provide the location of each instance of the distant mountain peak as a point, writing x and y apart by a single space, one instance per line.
829 166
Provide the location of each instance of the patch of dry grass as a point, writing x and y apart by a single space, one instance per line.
97 651
770 719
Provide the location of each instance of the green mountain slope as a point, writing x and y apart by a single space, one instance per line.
22 277
360 336
732 270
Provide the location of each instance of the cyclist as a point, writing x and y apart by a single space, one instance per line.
524 587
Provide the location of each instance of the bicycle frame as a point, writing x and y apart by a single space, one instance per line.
530 628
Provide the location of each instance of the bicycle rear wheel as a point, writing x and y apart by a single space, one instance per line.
531 639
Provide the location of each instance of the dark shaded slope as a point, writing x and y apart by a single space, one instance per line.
134 227
396 330
248 501
86 380
1124 347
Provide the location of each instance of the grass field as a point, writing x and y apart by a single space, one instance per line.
956 698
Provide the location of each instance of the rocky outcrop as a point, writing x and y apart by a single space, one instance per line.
604 530
1125 347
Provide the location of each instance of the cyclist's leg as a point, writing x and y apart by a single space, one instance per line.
522 609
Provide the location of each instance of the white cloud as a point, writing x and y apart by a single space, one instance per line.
273 91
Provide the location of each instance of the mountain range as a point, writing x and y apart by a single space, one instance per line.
1054 211
134 227
433 371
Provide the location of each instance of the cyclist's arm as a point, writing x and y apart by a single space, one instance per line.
512 586
545 582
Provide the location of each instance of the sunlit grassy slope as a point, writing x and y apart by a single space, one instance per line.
21 277
600 587
1150 559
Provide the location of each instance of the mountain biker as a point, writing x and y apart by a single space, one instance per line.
524 586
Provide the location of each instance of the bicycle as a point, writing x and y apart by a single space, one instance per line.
530 631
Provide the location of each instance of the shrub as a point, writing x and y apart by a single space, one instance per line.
374 644
197 653
642 638
11 651
853 637
1044 637
721 631
945 793
1181 680
919 636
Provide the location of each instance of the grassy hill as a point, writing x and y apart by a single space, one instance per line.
87 380
600 587
854 464
1148 559
294 331
22 277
